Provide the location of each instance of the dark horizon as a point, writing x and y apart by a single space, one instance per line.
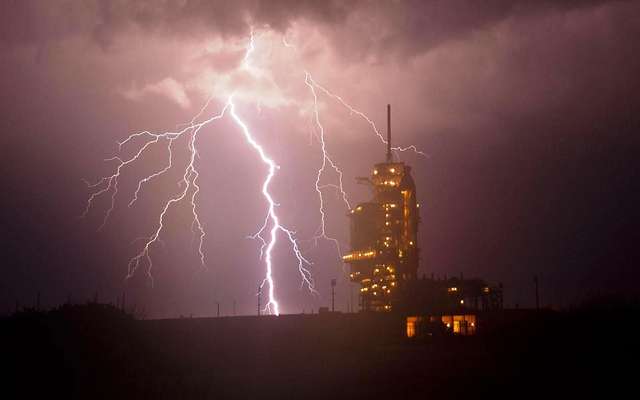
527 114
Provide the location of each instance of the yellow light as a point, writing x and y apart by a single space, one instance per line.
411 326
452 289
393 284
359 208
375 172
418 205
461 301
411 243
387 223
392 170
392 205
448 325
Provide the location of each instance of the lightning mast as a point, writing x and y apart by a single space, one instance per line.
388 133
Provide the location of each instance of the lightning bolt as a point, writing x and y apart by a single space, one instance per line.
190 189
313 85
326 159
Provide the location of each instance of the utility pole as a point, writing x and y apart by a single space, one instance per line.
535 281
333 295
259 295
350 297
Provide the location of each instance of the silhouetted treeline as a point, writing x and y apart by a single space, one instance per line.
99 351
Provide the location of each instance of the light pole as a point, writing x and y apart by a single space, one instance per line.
333 295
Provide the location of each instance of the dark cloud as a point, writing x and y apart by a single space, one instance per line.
33 21
401 29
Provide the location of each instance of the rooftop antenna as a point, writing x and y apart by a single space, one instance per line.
388 133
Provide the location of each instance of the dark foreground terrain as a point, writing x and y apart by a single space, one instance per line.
96 351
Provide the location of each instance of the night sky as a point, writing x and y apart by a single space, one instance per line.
528 113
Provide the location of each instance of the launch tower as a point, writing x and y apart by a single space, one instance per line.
384 234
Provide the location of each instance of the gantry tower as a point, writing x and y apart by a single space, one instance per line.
384 233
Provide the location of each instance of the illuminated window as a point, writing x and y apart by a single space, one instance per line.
411 326
460 324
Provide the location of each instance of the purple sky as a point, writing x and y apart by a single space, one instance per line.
527 111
